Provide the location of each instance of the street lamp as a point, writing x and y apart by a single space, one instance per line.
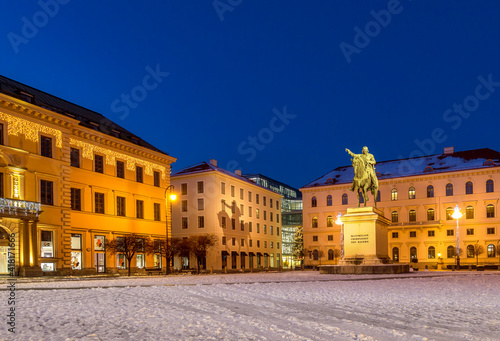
171 197
457 215
339 222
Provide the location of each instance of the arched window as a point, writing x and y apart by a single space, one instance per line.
329 200
489 186
469 212
470 251
411 193
430 191
469 188
430 214
413 253
315 222
490 251
431 252
330 254
449 212
394 216
449 190
329 181
412 216
378 196
395 254
394 194
490 211
315 255
329 221
344 199
314 202
450 252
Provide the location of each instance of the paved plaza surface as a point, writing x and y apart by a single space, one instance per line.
259 306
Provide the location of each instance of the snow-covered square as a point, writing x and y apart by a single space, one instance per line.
264 306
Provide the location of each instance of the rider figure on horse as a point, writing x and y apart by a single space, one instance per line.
369 162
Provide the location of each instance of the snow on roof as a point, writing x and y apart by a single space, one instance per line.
438 163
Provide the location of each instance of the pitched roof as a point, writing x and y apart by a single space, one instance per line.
438 163
87 118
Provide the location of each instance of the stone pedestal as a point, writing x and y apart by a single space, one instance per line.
365 244
30 271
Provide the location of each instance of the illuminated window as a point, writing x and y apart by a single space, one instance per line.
431 251
469 189
489 186
450 252
394 216
314 222
449 212
344 199
490 251
412 216
490 211
430 191
314 202
329 200
395 254
413 253
470 251
329 221
47 244
394 194
469 212
411 193
430 214
449 190
76 251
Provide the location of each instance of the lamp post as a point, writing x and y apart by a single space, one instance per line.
339 222
168 208
457 215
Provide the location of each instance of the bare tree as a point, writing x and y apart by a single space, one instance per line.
478 250
321 253
129 245
200 244
336 254
169 249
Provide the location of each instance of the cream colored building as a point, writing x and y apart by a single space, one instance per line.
244 216
70 180
418 196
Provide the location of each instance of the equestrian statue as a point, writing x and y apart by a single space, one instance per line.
365 178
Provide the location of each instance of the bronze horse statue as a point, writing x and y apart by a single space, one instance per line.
362 180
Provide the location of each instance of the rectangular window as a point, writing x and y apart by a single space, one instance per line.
184 223
271 215
201 205
233 207
47 244
241 193
184 189
277 218
120 206
395 234
490 230
450 233
222 188
156 179
242 242
278 204
249 196
75 157
232 191
242 210
120 169
264 201
256 198
265 229
265 243
200 187
139 204
258 228
470 232
250 211
258 243
233 224
223 222
76 251
201 222
242 225
223 205
272 244
249 226
157 210
139 174
430 234
1 185
76 199
330 237
413 234
233 241
184 205
98 163
121 261
277 230
98 202
271 203
265 215
45 146
223 240
46 192
250 244
1 134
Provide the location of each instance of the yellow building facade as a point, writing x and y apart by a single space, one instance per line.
419 197
245 217
70 181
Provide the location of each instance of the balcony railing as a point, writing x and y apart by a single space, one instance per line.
19 208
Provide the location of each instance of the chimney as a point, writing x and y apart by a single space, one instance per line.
238 172
449 150
213 162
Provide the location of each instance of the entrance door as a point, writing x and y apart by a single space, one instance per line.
3 259
100 262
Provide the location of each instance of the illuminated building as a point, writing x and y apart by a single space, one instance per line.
70 179
419 196
291 213
244 216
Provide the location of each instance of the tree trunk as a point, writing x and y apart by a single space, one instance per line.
199 261
167 259
129 261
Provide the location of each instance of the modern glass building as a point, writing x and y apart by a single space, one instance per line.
291 213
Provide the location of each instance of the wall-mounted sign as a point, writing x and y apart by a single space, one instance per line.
15 186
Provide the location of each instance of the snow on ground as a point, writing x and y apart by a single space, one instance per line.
272 306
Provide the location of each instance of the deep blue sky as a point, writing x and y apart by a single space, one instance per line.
226 76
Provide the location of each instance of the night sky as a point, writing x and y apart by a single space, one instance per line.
273 87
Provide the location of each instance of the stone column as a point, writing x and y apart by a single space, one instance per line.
34 244
25 243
